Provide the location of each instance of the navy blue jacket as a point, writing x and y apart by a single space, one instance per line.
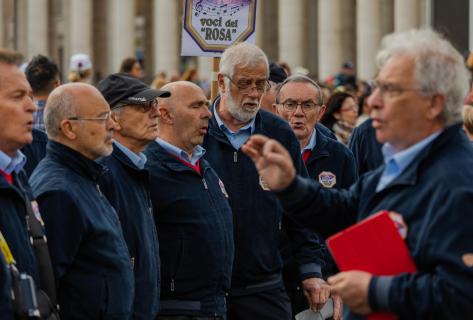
89 254
365 147
195 231
35 151
258 216
13 222
127 189
434 195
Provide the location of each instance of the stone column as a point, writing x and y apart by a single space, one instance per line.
80 27
121 35
166 37
336 41
406 14
266 31
292 28
369 34
37 35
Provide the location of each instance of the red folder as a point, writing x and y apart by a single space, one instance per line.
373 245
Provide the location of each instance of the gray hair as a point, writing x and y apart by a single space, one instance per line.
60 106
439 67
299 78
242 54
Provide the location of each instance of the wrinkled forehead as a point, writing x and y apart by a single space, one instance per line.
400 68
252 71
299 91
12 78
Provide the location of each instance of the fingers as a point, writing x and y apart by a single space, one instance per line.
337 307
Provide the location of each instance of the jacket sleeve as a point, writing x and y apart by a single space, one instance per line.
443 286
64 228
325 211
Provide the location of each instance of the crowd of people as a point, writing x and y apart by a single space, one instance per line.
129 201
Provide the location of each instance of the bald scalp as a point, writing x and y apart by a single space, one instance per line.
177 89
63 103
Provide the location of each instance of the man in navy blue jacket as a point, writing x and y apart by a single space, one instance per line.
89 254
193 217
365 147
425 183
134 108
16 114
259 220
299 102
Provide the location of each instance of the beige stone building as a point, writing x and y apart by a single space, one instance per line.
318 35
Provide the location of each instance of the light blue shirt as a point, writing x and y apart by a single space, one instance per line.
238 138
397 161
312 142
138 159
197 153
9 164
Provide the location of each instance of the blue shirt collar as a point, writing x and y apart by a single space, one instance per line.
312 142
9 164
405 157
138 159
197 153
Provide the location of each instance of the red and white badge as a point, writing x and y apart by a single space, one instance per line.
327 179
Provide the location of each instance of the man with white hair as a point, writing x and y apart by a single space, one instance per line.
90 258
425 183
260 225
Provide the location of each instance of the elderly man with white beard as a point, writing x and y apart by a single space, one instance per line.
263 234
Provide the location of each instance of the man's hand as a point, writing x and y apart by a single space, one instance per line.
272 161
317 292
352 287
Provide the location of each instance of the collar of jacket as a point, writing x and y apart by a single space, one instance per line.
75 160
170 161
410 174
319 150
123 159
216 132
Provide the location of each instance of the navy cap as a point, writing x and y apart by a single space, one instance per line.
125 89
276 73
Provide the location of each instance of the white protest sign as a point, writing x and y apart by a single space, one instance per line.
210 26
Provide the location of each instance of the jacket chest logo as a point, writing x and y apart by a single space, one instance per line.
327 179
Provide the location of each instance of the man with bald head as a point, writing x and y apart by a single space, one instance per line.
89 254
193 217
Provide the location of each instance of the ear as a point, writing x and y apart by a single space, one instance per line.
336 115
56 83
322 110
68 128
115 117
275 109
165 116
437 104
221 82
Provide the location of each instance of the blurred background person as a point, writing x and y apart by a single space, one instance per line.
160 80
341 115
80 68
468 121
132 66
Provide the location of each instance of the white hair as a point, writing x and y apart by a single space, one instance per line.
242 54
60 106
439 67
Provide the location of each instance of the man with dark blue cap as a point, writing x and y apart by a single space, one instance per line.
134 108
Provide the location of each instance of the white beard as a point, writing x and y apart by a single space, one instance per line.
238 112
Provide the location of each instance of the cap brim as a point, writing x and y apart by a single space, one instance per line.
146 96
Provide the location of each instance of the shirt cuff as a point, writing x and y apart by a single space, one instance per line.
378 292
310 270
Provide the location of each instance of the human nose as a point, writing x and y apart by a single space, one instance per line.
299 111
375 100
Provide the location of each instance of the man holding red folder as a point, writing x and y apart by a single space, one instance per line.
426 180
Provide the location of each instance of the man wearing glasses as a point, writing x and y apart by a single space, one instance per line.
299 102
259 222
425 183
134 108
90 258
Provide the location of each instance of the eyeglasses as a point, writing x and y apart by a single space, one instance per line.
103 118
245 85
390 89
352 107
291 105
143 107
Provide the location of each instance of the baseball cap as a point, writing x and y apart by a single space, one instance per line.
80 62
276 73
126 89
